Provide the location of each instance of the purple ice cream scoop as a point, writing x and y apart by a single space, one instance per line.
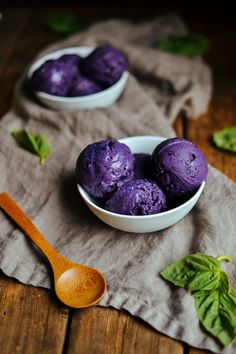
104 65
142 166
72 59
102 167
83 86
137 197
179 167
54 77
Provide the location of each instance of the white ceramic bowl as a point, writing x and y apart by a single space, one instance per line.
101 99
143 223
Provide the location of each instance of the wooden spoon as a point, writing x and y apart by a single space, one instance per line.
76 285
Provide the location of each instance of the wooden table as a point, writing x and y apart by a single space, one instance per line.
31 319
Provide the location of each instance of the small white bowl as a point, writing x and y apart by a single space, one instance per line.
100 99
142 223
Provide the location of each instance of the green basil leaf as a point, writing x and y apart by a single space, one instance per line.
202 262
216 311
194 272
190 45
224 286
65 23
215 299
226 139
205 280
33 142
178 273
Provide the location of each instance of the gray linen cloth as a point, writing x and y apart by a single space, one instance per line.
160 86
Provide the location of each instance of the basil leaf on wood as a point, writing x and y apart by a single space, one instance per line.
189 45
33 142
226 139
215 299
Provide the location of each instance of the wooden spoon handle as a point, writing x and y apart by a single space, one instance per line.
22 220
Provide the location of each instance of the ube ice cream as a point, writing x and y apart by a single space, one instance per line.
137 197
105 65
72 59
54 77
103 167
71 75
83 86
179 167
142 165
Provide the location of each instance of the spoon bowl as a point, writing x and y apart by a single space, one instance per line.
76 285
80 286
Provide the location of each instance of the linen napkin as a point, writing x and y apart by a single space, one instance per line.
160 86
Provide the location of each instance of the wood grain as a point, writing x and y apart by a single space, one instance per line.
179 127
198 351
31 319
106 331
221 113
22 35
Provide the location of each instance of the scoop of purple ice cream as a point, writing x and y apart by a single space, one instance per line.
103 167
137 197
105 65
72 59
179 167
53 77
83 86
142 166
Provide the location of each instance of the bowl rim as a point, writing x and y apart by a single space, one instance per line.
87 199
71 50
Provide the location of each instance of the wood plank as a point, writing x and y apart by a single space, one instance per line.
19 46
31 319
221 115
221 112
198 351
141 338
8 54
105 331
179 126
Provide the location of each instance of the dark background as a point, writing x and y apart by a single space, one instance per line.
205 8
213 14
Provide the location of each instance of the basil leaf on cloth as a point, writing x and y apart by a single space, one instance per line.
63 23
33 142
216 310
194 272
215 299
226 139
190 45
